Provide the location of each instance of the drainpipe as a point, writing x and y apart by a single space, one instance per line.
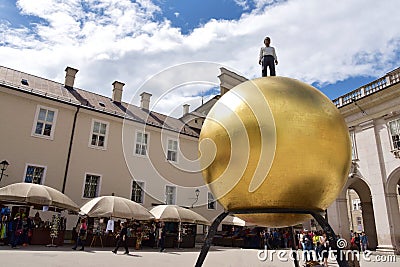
70 149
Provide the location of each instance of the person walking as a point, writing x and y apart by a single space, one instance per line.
82 233
268 58
122 239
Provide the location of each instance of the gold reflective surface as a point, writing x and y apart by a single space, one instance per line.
275 142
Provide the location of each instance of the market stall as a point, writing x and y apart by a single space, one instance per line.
180 224
22 197
104 216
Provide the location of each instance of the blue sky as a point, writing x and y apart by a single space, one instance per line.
188 15
335 46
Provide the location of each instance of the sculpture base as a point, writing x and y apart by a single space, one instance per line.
316 214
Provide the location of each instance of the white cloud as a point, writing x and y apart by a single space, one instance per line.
242 3
316 41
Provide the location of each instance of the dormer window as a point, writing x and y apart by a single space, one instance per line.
24 82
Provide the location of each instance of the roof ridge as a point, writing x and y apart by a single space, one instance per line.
118 109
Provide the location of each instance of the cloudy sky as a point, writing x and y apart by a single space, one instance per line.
335 45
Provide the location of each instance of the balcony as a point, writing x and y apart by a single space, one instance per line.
389 79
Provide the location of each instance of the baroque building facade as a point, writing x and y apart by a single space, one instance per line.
88 145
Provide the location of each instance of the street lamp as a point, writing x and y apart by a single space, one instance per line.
197 193
3 166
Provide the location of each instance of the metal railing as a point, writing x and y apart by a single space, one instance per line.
390 78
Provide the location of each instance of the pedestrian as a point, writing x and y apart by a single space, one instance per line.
122 239
324 249
25 230
162 237
356 240
308 246
17 231
268 58
364 241
82 233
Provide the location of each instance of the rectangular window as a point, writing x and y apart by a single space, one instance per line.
211 204
34 174
394 128
170 195
137 192
172 153
44 124
141 143
91 189
359 224
99 134
354 154
356 204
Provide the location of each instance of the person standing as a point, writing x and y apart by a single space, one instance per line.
324 249
357 241
364 242
17 231
308 246
268 58
162 237
82 233
122 239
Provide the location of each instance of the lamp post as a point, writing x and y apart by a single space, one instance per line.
3 166
197 193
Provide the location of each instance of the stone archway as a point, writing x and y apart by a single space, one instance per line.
338 212
392 195
368 217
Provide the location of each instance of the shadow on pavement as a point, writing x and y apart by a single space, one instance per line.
68 248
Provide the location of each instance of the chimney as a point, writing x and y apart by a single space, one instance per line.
185 109
117 91
145 100
70 77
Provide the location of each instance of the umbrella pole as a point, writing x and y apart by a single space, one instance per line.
207 243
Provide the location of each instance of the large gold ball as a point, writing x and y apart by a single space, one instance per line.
275 142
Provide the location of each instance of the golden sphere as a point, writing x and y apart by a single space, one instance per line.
275 142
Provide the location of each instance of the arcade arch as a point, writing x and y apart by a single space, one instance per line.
393 199
362 190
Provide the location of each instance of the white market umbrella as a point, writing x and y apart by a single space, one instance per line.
174 213
36 195
232 220
118 207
